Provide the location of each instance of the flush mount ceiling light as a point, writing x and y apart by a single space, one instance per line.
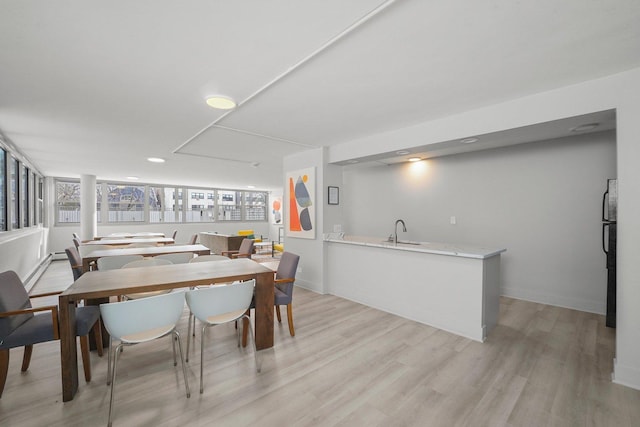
251 186
585 127
155 160
414 159
469 140
133 178
221 102
402 152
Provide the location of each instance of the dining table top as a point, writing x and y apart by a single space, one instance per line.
129 235
129 240
100 284
90 255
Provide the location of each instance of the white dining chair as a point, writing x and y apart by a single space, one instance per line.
139 321
191 331
179 258
222 304
117 261
146 262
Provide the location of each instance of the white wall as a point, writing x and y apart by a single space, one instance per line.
23 251
620 92
541 201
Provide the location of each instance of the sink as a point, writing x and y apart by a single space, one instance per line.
401 242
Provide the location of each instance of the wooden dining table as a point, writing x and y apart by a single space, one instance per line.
129 235
100 285
113 241
89 256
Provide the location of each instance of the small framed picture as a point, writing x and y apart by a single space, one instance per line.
334 196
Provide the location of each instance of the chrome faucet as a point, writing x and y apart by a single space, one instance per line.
404 228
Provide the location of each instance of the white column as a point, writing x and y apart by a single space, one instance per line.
88 214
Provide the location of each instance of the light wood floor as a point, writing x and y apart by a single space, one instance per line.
349 365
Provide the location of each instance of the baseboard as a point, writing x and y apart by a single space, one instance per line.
625 375
32 279
580 304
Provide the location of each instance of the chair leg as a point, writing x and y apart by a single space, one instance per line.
247 325
4 368
97 335
290 319
26 359
278 314
113 381
110 353
86 359
184 367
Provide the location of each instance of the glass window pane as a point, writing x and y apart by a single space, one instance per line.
255 206
67 202
229 205
126 203
15 206
40 200
200 207
24 196
32 199
98 202
162 204
3 190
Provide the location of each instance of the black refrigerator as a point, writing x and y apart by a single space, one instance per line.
609 218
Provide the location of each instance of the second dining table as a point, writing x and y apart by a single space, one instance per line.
100 285
89 256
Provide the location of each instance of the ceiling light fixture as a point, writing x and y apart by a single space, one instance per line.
585 127
133 178
155 160
402 152
469 140
251 186
414 159
221 102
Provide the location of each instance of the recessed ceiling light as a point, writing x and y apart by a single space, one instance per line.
585 127
402 152
251 186
469 140
221 102
414 159
155 160
133 178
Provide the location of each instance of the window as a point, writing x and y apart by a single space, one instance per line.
98 202
126 203
32 199
229 205
15 206
24 196
67 202
3 190
255 206
198 211
40 200
162 204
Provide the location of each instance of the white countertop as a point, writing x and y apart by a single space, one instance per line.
451 249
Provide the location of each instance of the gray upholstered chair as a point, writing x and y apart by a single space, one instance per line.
21 325
175 233
245 251
76 242
284 280
76 262
193 239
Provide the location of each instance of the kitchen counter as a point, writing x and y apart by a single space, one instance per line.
453 287
460 250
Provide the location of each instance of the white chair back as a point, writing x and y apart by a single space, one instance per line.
115 262
208 302
209 258
142 320
181 258
147 262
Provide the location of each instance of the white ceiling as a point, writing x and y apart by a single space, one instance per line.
93 87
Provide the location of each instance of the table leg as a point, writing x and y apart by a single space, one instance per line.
264 310
68 350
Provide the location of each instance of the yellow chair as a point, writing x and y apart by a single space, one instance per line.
249 234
